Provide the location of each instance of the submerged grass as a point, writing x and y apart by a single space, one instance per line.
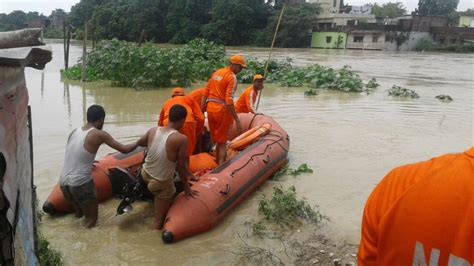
286 170
47 255
286 210
399 91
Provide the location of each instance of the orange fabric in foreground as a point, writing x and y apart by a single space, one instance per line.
422 212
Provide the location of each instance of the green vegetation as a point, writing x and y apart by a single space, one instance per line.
402 92
311 92
427 45
286 170
229 22
424 44
285 209
53 33
297 21
372 84
436 7
126 64
388 10
47 255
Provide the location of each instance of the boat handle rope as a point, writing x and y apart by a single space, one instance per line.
257 154
227 190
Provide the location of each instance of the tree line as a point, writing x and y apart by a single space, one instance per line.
229 22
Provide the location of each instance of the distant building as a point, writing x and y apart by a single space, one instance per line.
327 22
418 22
366 39
452 35
329 40
466 21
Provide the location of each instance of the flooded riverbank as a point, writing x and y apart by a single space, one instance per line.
350 140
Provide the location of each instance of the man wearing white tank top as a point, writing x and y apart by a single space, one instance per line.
75 179
167 153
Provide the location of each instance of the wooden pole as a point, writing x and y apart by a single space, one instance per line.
84 55
64 42
271 50
142 36
68 40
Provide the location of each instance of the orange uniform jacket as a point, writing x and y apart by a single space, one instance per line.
197 95
422 214
220 94
194 122
246 101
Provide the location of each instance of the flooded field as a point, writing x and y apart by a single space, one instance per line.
350 141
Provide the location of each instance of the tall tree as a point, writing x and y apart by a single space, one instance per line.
389 10
233 21
436 7
186 17
295 28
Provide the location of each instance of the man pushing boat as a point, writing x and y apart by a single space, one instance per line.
76 175
167 153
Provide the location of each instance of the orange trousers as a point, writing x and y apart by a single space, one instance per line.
220 120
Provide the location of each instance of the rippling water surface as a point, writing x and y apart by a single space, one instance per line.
350 140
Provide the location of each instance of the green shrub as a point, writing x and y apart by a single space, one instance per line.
47 255
424 44
402 92
286 210
372 84
126 64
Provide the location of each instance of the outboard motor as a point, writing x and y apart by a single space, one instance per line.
128 187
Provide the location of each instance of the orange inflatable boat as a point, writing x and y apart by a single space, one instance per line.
105 183
113 172
229 184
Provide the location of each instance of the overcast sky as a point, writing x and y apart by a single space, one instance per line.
46 6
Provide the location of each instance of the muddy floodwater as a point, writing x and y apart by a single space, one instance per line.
350 140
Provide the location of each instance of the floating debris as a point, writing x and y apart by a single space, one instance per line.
311 92
372 84
445 98
402 92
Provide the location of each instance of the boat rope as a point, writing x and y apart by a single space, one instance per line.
271 49
280 138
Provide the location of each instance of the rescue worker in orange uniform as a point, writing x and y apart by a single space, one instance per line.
422 214
219 96
246 102
194 123
197 95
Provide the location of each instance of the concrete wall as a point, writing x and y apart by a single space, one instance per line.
17 184
466 21
409 44
320 40
370 40
342 19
